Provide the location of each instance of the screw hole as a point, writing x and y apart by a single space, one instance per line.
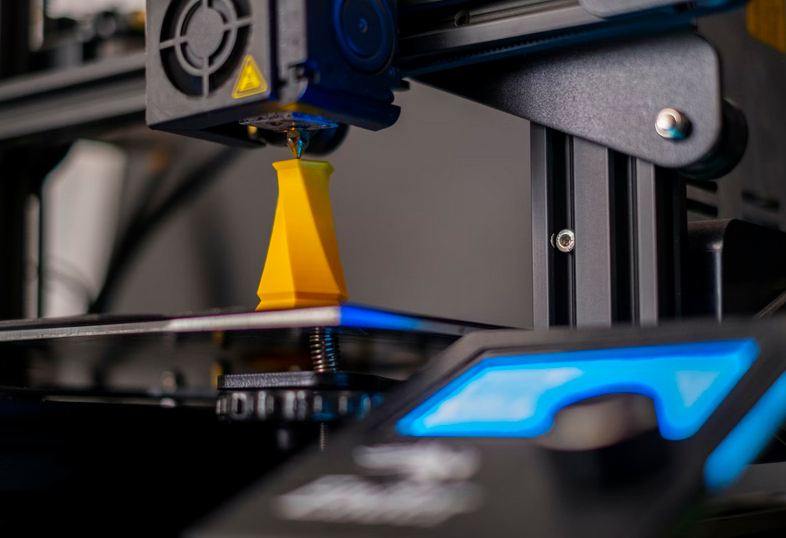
462 18
363 25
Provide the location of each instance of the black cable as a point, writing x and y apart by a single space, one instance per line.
145 199
141 225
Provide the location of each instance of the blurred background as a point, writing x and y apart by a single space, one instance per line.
437 225
432 215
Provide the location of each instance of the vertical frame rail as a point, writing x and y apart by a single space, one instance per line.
630 223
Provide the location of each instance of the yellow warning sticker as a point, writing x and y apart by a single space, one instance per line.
250 82
767 22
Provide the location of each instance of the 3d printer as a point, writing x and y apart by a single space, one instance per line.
567 432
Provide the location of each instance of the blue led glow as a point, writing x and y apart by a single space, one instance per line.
519 396
353 316
748 438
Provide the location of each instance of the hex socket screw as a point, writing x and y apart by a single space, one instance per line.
564 241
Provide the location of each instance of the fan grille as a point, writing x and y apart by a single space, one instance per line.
202 43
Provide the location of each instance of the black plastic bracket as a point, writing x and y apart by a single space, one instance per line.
608 93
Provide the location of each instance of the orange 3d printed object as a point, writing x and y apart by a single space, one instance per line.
303 267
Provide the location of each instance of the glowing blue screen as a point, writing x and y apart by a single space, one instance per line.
518 396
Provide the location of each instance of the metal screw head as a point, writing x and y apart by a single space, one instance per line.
672 124
564 241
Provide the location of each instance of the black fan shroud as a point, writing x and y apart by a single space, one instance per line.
202 43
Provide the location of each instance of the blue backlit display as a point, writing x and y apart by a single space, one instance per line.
518 396
748 438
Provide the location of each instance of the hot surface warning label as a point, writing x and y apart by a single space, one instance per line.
250 81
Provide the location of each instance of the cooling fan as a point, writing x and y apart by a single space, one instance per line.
202 43
215 66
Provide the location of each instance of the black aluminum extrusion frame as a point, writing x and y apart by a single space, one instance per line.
630 224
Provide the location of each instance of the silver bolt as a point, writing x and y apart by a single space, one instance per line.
564 241
672 124
323 434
